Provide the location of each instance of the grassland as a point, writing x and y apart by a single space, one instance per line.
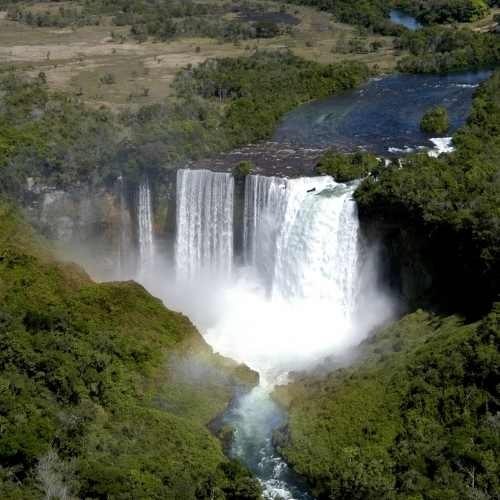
76 59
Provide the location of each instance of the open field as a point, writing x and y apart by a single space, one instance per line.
79 59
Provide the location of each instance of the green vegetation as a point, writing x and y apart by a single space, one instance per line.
435 121
104 393
60 18
243 168
451 203
219 105
371 14
445 11
416 416
444 50
374 14
163 20
51 135
347 167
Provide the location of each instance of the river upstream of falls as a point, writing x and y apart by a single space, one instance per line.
295 295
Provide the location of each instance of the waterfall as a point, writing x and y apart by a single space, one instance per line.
295 300
301 235
204 239
264 210
125 243
301 254
145 228
290 305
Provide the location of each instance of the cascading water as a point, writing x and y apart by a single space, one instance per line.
204 240
302 252
265 205
145 229
125 244
302 245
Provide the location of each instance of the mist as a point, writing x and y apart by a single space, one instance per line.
308 287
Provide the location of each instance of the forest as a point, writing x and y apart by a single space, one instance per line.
443 50
416 416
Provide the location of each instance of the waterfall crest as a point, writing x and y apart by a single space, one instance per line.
145 228
204 239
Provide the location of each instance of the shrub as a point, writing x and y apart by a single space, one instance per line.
243 168
435 121
108 79
346 167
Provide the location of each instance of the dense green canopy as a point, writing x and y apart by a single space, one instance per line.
96 394
416 416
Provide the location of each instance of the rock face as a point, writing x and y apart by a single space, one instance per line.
402 257
86 224
97 225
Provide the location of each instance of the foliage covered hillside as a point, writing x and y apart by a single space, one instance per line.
451 204
417 416
104 393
